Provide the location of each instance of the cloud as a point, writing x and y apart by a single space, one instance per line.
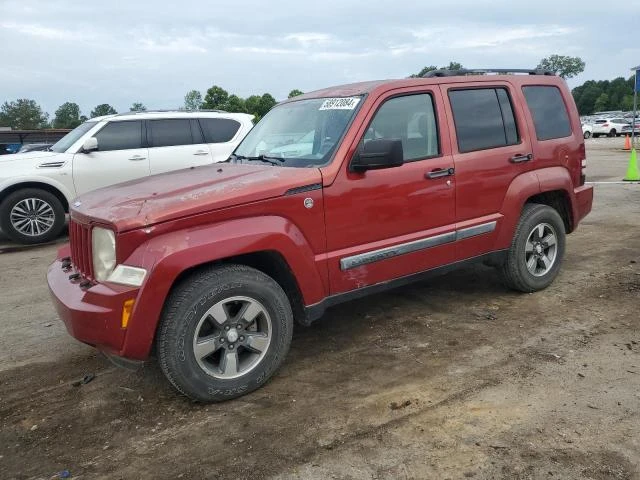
46 33
135 51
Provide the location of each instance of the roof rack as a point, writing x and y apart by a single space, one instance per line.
484 71
172 110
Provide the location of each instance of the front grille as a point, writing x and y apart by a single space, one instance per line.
80 239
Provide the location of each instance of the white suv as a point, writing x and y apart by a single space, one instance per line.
36 188
611 127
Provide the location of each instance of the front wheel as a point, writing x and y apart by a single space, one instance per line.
31 216
536 252
587 135
224 331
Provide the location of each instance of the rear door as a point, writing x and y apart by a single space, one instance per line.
176 143
222 135
121 156
491 146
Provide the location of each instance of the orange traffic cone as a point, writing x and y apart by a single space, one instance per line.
627 143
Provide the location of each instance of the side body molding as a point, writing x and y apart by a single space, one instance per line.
166 256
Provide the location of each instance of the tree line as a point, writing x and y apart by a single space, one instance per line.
590 97
26 114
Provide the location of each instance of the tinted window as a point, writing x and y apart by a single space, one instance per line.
170 132
410 119
483 118
549 113
120 136
219 130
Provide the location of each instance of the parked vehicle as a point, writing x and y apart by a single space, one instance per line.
36 188
611 127
587 130
627 129
384 183
35 147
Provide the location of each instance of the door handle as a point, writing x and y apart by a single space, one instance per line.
440 172
201 152
521 158
137 158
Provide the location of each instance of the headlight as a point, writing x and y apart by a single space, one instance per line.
103 242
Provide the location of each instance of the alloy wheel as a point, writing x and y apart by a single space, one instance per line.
541 249
32 217
232 337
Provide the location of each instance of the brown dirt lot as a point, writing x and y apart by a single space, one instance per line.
452 378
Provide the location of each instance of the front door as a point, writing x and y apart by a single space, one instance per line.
121 156
385 224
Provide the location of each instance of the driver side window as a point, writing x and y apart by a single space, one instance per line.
411 119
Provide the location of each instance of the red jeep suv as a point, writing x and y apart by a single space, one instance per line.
333 195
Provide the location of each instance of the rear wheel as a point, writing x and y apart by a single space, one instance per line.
537 250
612 132
31 216
587 134
224 332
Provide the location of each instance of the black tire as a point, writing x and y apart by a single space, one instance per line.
515 271
12 200
184 312
612 132
587 135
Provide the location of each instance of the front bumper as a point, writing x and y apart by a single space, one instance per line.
92 315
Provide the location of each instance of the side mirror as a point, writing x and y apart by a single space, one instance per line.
377 154
90 145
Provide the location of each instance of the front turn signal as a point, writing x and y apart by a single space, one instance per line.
127 308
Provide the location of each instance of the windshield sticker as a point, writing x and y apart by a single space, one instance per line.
348 103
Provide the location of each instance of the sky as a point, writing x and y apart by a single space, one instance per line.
120 52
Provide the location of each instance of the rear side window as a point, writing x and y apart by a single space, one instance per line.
483 118
410 119
219 130
170 132
120 136
549 112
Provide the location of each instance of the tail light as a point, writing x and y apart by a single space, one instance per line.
605 125
583 164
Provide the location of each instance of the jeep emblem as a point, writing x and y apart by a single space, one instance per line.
308 202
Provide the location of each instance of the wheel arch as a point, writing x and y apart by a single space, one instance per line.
559 201
272 245
57 192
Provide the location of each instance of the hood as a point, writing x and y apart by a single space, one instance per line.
26 157
155 199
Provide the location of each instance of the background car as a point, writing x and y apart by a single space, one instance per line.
35 147
37 187
609 126
587 130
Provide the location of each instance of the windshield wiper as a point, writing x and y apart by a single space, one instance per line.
261 158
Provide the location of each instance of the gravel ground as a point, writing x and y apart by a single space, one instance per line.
452 378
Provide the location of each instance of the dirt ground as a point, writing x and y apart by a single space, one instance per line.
452 378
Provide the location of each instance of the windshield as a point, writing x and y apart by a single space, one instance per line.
304 133
72 137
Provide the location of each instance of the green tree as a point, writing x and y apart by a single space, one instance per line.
67 116
564 66
252 104
425 70
267 102
215 98
602 103
137 107
103 109
193 100
295 92
23 114
234 104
